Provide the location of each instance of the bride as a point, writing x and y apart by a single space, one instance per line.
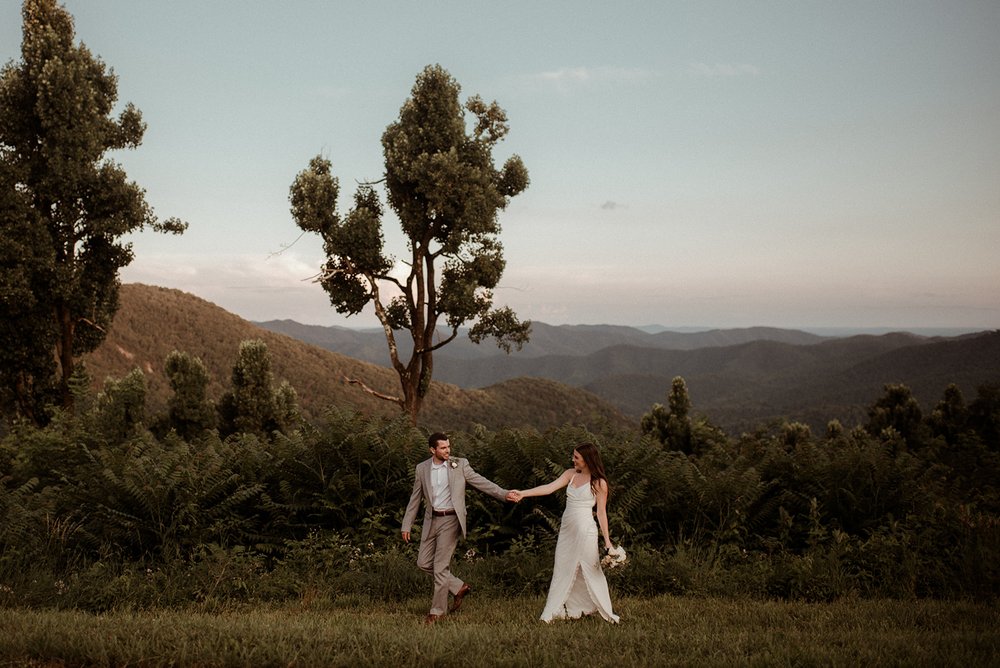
578 584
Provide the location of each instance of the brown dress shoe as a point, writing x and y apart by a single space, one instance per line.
459 596
430 619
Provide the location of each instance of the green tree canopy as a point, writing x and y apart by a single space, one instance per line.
68 205
443 187
671 425
121 407
190 411
254 405
897 409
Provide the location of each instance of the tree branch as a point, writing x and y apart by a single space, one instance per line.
92 324
375 393
454 333
285 247
389 279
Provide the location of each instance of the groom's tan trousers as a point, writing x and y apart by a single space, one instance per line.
436 551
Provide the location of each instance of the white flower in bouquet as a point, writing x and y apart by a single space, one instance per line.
614 558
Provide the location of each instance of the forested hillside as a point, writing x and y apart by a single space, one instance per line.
741 386
154 321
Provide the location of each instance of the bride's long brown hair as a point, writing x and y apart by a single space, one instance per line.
592 458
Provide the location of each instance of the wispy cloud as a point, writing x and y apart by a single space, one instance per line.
280 272
723 70
572 77
255 287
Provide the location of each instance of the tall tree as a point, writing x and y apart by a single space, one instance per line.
189 410
950 417
121 408
25 322
254 405
72 204
898 409
442 184
671 425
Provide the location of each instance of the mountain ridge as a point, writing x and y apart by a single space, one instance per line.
369 344
739 378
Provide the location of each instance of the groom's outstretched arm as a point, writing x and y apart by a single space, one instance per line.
483 484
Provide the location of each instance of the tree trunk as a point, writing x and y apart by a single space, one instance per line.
412 400
416 383
24 392
64 353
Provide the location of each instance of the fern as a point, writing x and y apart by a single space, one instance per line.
20 522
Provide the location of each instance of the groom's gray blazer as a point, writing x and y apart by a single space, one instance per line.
458 475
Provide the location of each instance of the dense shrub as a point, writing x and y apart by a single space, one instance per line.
100 512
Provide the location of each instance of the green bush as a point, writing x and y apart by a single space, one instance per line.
98 517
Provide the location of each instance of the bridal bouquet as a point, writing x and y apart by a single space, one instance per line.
614 558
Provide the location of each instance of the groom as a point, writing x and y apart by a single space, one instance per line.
440 481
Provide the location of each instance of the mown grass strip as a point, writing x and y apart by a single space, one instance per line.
662 631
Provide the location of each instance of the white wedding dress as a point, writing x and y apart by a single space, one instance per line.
578 584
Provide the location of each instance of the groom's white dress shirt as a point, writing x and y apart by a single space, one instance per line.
441 492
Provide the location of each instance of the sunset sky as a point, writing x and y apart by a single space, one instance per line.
713 164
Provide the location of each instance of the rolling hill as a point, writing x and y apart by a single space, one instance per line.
154 321
738 378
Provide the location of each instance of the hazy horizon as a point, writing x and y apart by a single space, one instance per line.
653 328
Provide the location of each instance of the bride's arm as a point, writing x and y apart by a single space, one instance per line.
602 511
543 490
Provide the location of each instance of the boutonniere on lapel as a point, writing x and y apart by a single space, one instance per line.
452 463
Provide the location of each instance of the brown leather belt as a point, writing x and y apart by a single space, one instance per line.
444 513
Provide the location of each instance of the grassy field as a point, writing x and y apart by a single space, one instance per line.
663 631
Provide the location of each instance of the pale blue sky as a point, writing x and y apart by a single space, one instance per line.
725 164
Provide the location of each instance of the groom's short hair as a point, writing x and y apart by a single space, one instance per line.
433 439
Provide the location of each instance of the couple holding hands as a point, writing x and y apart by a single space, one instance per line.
578 585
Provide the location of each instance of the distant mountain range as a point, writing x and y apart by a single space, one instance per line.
369 344
739 378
